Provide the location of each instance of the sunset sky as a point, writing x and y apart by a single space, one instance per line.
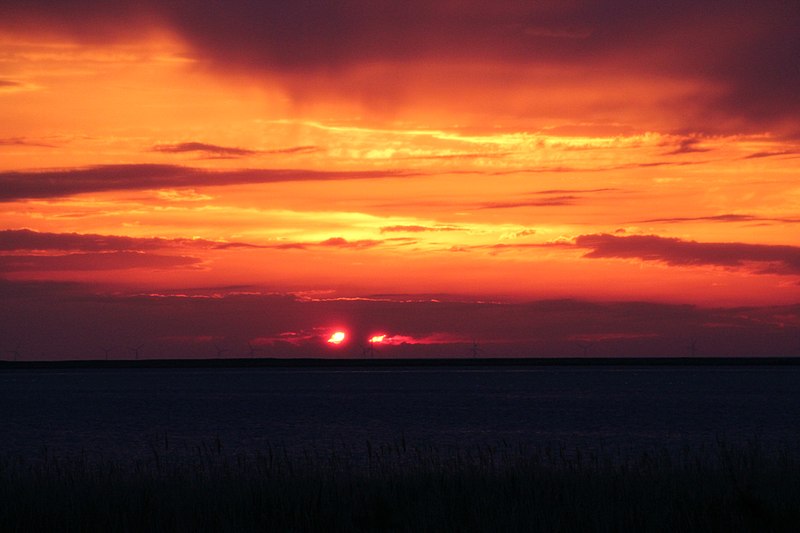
545 178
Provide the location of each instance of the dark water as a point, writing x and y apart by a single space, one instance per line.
119 412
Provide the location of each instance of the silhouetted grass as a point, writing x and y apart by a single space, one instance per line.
399 487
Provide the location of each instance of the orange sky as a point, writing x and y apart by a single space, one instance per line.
512 154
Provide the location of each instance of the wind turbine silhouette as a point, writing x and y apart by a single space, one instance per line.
369 349
798 341
136 350
585 346
220 351
252 350
106 352
14 353
475 350
692 347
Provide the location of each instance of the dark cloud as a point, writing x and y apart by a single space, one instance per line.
744 53
94 261
548 202
552 198
24 239
574 191
339 242
307 149
291 246
771 259
9 83
22 141
17 185
40 289
659 164
227 151
333 242
31 251
724 218
687 146
203 147
758 155
546 198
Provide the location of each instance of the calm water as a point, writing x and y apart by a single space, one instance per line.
117 412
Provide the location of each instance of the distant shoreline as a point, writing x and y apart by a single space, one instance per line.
404 362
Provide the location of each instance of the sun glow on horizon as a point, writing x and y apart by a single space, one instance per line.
337 337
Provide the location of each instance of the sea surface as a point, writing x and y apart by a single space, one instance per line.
121 413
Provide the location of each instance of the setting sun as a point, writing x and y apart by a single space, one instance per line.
337 337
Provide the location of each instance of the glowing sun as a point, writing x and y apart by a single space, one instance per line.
337 337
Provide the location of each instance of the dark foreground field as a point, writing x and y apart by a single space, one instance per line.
400 487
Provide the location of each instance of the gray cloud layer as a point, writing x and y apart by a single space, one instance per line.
28 240
728 217
746 50
228 151
772 259
91 261
31 251
223 151
66 182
